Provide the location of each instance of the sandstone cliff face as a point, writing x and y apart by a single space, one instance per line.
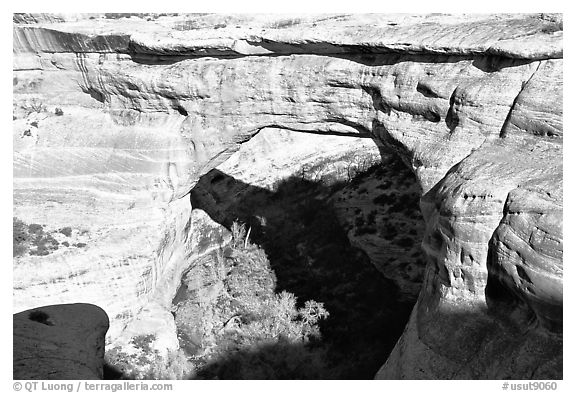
473 104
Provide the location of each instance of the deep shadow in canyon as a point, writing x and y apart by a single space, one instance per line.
309 251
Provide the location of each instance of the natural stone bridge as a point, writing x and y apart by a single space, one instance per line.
472 104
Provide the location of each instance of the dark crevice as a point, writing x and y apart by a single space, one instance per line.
372 57
522 274
423 114
426 91
97 95
452 120
362 132
181 110
504 129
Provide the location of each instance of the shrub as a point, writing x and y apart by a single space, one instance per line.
257 317
240 238
245 315
35 229
174 366
147 363
66 231
40 317
34 106
40 251
20 237
43 243
143 342
33 238
19 250
282 24
120 362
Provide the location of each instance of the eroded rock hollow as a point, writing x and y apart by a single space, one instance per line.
117 119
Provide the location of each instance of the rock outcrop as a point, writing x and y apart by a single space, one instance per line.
473 104
64 341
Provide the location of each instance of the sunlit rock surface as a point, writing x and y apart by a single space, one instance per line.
472 103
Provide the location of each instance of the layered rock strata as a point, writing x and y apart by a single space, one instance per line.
473 104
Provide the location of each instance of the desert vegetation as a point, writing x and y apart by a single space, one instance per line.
144 362
34 239
253 317
247 317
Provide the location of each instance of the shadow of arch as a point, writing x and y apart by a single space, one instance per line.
280 360
311 255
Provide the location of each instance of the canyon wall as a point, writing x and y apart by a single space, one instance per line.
472 104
